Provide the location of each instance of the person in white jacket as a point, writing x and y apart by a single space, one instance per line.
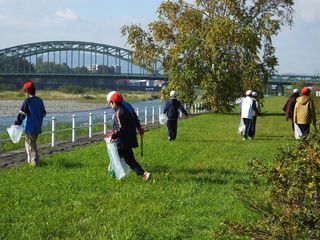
248 107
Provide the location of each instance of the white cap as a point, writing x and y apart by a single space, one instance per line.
295 90
109 95
248 92
173 93
254 94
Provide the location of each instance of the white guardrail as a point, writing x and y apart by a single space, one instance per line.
96 120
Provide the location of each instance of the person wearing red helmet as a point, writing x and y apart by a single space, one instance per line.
31 113
124 133
131 110
304 112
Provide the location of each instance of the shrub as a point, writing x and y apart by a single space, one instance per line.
290 205
71 89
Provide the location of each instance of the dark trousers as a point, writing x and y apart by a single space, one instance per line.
305 129
128 156
253 127
172 129
248 131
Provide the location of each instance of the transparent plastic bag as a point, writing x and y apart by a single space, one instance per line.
163 118
15 133
297 132
119 166
241 128
111 171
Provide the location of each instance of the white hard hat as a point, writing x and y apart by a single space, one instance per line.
295 90
248 92
109 95
173 93
254 94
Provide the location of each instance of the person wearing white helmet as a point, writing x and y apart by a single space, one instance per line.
171 109
247 108
288 108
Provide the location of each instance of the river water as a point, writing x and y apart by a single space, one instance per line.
83 116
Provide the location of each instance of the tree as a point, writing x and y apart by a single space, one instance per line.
221 46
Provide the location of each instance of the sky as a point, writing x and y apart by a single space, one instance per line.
28 21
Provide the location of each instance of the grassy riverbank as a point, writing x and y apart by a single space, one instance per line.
85 97
71 197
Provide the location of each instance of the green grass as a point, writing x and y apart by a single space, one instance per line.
71 197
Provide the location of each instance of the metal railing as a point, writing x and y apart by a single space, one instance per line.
150 116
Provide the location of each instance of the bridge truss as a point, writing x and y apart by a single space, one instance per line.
73 59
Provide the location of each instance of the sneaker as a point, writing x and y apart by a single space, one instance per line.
146 176
250 138
243 139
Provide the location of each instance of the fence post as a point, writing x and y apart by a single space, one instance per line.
145 116
73 128
90 125
160 110
53 126
152 114
137 111
104 123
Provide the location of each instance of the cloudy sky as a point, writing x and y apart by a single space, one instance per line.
26 21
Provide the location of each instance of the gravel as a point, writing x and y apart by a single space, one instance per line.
9 108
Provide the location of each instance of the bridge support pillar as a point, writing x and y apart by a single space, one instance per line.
280 90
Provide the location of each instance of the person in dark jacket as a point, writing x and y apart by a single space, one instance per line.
131 110
289 106
171 110
124 134
33 112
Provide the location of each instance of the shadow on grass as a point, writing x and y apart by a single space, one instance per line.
202 175
62 163
273 138
210 141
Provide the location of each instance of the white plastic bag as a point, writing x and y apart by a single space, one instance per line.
241 128
297 132
120 168
15 132
163 118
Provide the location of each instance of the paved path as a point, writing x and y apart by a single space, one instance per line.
18 157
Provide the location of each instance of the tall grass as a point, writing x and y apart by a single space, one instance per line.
71 197
88 96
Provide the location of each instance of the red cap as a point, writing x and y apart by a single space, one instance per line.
116 98
305 91
28 85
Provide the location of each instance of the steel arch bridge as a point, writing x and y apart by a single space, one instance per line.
73 59
78 59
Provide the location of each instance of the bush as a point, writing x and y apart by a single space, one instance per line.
71 89
290 206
